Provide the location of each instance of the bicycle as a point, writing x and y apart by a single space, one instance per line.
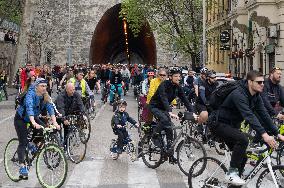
188 148
116 99
128 147
74 144
204 135
106 90
50 160
90 107
211 171
2 94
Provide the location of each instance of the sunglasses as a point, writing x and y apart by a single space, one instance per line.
162 75
212 77
259 82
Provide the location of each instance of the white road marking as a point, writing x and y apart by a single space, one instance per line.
140 176
86 174
7 118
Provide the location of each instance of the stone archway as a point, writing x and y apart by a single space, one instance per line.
108 42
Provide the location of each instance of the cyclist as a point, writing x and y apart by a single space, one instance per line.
273 94
143 98
243 103
198 84
154 84
67 103
125 77
188 85
204 91
93 81
81 86
160 106
3 82
104 76
34 104
118 123
116 84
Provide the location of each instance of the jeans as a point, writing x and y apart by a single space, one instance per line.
164 123
22 133
122 135
126 82
113 90
236 141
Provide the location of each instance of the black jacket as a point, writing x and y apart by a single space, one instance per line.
166 93
121 118
240 105
69 105
115 78
271 95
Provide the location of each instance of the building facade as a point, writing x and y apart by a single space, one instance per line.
256 30
44 34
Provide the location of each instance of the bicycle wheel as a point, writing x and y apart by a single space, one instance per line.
11 162
113 153
76 149
211 173
151 154
188 150
219 148
51 166
265 178
85 130
280 154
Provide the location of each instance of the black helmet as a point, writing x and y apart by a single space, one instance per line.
211 73
122 103
174 70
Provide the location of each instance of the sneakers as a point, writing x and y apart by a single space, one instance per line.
173 160
232 177
24 173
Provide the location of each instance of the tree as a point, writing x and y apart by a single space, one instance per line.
12 10
178 24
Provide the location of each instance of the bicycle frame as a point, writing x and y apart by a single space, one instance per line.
266 160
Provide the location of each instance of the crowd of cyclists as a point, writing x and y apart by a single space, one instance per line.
256 100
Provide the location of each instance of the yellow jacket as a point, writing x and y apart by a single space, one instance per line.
154 84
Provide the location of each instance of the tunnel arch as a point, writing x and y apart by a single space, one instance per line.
108 42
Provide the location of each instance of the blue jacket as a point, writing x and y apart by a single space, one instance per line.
32 107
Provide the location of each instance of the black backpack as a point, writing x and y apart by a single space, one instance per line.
20 99
219 95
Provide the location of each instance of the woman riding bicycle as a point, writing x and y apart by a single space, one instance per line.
34 104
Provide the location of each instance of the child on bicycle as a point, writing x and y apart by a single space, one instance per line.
118 124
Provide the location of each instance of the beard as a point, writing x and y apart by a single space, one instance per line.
276 81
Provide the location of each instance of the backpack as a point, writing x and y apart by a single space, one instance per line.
219 95
20 99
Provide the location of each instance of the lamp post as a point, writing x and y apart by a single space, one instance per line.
204 33
69 51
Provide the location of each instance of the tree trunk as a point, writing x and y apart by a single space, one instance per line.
193 60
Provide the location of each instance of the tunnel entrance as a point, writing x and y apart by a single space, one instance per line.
109 46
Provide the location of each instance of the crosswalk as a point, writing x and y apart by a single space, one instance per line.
105 172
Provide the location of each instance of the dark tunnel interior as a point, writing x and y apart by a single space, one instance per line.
108 42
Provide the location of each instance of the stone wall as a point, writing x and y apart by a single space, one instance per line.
49 20
7 58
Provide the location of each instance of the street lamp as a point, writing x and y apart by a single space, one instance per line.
204 33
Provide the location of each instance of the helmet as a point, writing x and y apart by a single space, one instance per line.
211 74
204 70
122 103
174 70
151 73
